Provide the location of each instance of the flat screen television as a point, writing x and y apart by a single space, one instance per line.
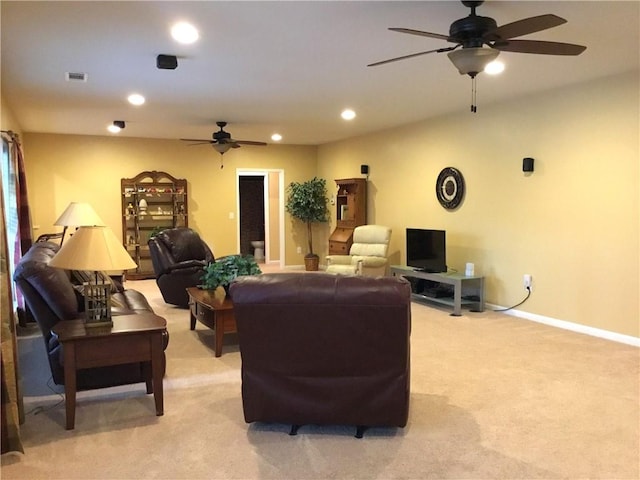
426 250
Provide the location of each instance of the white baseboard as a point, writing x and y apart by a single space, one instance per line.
574 327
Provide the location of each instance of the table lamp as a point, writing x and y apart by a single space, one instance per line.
77 214
96 249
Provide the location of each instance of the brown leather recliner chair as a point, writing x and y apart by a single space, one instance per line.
179 256
50 296
324 349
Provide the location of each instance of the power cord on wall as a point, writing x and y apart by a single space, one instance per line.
517 304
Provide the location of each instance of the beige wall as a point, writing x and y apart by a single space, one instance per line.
572 224
65 168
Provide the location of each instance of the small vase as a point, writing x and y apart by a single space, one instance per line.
221 292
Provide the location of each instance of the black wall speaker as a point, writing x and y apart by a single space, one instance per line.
167 62
527 164
364 169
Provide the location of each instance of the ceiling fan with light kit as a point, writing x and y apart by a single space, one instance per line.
482 40
222 141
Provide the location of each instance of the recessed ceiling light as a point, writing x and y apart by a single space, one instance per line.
113 128
276 137
136 99
184 32
348 114
494 68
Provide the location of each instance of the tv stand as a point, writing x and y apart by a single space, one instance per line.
473 285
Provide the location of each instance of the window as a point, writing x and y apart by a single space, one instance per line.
7 168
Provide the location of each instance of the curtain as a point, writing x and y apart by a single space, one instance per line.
24 213
19 238
11 406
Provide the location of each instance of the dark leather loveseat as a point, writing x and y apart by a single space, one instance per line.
179 256
324 349
50 295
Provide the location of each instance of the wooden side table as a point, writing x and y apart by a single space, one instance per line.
133 338
213 311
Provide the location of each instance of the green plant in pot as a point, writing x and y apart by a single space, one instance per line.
307 202
224 270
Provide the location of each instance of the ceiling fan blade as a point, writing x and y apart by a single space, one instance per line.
420 32
524 27
539 47
195 140
249 142
438 50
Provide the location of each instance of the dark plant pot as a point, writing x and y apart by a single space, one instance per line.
311 263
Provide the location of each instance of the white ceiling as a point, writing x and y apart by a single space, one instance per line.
285 66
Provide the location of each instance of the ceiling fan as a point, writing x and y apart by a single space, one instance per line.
222 141
473 32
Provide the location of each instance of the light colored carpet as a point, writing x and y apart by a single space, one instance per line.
492 396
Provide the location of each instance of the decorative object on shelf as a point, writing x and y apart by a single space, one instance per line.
224 270
94 249
142 207
77 214
351 212
450 188
307 202
151 201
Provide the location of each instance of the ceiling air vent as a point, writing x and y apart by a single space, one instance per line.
76 77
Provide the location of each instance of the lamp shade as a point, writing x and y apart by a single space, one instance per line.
93 248
471 61
78 214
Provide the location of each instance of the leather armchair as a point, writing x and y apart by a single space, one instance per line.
324 349
367 255
50 296
179 256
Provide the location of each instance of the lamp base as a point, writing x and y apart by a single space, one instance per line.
97 304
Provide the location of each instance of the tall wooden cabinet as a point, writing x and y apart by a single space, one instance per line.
151 201
351 212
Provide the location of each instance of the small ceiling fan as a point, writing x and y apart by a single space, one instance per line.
222 141
473 32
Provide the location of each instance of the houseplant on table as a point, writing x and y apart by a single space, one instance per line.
307 202
224 270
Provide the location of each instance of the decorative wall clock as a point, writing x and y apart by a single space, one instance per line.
450 188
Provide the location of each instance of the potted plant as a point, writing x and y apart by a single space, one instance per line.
307 202
224 270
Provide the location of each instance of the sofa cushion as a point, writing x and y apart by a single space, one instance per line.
79 277
184 244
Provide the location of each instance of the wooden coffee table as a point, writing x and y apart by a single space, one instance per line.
133 338
215 311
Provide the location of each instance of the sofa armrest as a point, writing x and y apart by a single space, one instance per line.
372 262
339 259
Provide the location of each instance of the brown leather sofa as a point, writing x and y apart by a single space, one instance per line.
179 256
324 349
51 298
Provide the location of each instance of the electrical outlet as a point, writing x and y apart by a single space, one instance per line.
526 280
299 249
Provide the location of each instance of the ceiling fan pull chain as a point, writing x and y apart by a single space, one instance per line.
474 108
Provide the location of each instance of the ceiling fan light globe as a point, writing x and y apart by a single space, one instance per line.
471 61
221 148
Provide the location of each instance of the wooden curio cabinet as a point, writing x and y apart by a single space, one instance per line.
151 201
351 212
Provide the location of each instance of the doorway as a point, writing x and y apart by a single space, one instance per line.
252 213
261 213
